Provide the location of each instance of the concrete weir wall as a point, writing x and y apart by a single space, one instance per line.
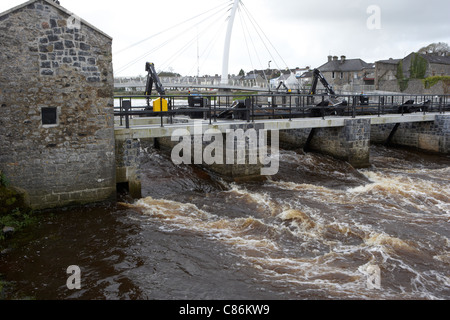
347 139
129 157
431 136
233 171
349 142
128 154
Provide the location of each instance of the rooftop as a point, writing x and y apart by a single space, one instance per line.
390 61
345 65
30 4
432 58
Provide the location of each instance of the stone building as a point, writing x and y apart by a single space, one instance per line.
56 106
354 75
435 65
387 72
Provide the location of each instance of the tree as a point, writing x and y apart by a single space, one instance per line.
440 49
242 73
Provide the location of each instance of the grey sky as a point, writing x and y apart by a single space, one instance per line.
304 33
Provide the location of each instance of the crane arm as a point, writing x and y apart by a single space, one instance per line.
152 78
317 75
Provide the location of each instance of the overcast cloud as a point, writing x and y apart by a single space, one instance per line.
304 33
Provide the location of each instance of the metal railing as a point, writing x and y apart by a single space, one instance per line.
290 106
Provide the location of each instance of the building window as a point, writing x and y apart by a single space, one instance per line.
49 116
333 76
342 75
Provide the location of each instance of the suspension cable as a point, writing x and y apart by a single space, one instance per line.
222 6
162 45
188 45
254 49
211 45
260 31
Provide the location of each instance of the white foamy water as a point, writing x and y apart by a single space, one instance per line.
327 240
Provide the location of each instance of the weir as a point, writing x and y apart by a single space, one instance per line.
346 137
60 145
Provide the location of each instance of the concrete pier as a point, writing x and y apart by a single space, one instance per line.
350 143
128 165
431 136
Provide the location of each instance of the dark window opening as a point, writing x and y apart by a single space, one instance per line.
123 192
123 187
49 116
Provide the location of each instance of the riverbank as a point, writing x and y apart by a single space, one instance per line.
15 213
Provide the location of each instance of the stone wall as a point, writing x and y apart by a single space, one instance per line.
128 165
349 143
47 63
234 171
428 136
415 86
294 139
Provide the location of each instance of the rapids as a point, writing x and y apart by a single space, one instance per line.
318 230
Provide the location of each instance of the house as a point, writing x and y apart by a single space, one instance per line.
56 106
306 79
253 80
434 65
348 74
390 73
386 70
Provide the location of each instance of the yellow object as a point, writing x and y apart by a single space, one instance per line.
160 105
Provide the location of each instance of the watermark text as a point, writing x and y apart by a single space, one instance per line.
74 281
234 147
374 20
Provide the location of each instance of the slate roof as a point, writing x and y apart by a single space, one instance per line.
347 66
391 61
3 15
431 58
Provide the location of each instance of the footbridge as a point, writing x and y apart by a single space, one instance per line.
140 86
341 126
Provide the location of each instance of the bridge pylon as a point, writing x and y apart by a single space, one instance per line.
226 52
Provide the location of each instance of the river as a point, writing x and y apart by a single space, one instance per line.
319 229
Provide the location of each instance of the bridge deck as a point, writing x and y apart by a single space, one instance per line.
143 131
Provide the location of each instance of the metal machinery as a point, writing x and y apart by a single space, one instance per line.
317 75
161 104
152 77
326 107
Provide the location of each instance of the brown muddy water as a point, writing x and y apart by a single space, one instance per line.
317 230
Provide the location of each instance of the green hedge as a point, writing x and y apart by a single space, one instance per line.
432 81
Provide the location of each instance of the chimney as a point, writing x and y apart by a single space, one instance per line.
343 59
335 58
330 58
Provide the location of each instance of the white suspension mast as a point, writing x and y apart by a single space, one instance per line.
226 52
